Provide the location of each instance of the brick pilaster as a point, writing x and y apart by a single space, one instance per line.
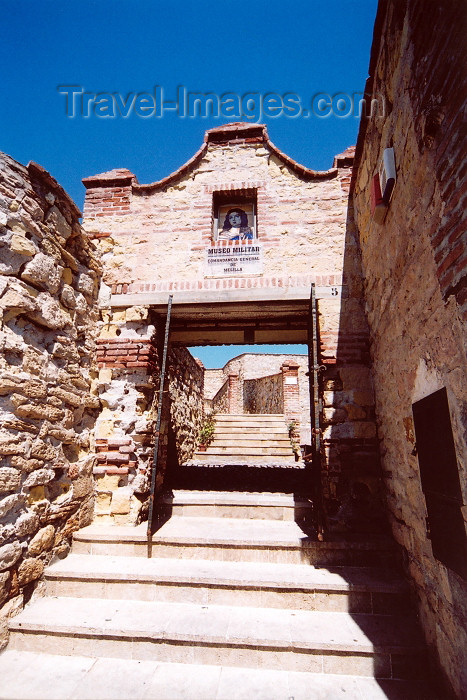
108 194
234 398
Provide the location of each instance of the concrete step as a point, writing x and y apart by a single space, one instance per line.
380 646
224 504
233 539
300 587
49 676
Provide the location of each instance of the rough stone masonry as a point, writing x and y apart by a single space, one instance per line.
49 278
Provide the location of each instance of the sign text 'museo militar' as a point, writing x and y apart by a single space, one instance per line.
233 260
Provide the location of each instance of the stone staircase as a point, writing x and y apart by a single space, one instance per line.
236 603
251 438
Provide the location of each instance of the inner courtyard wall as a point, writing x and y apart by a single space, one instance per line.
251 366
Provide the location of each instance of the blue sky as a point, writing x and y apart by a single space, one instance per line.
303 47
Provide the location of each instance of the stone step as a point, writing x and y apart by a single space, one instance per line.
265 425
272 460
380 646
242 439
247 444
226 429
252 438
233 539
250 451
301 587
250 417
45 676
262 506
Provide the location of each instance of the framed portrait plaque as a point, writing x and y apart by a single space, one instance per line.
235 250
235 222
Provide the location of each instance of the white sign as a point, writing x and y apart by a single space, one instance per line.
233 260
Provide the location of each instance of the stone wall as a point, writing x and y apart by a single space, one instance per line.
413 265
263 395
124 440
213 380
220 400
186 391
48 292
129 354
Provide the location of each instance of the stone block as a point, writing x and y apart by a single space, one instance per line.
42 541
43 272
136 313
68 397
51 314
356 378
105 428
4 586
11 447
58 224
355 429
103 502
26 524
10 479
108 482
29 570
85 284
334 415
83 486
67 297
120 504
39 477
10 503
9 555
41 450
6 532
355 412
105 376
39 412
22 245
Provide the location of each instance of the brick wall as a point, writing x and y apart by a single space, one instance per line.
124 354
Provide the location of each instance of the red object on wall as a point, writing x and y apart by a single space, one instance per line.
378 206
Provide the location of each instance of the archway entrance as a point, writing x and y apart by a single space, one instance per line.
258 402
